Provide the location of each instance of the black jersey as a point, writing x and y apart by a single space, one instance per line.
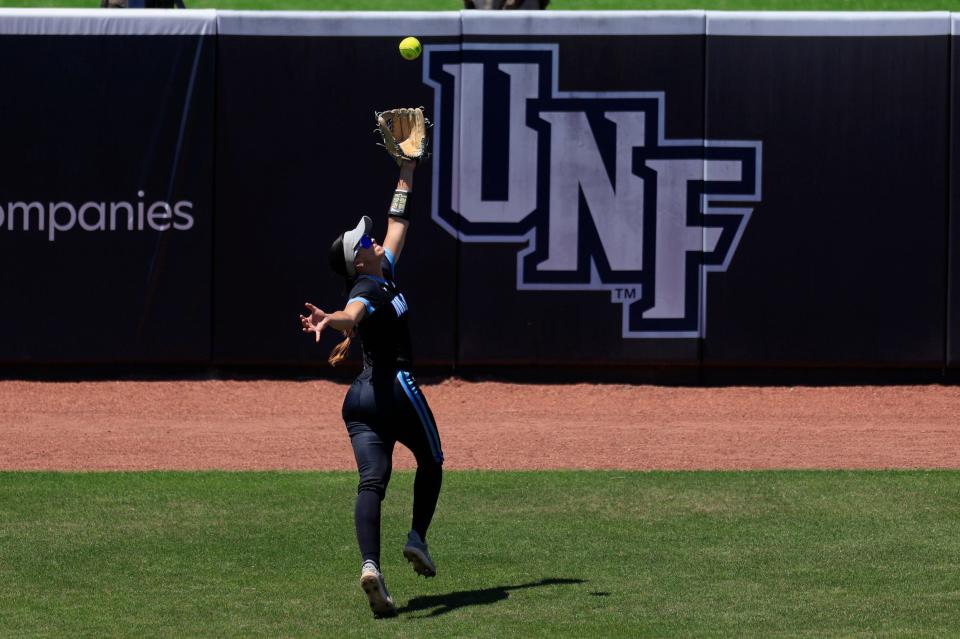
383 331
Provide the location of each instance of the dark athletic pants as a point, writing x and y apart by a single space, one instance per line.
380 409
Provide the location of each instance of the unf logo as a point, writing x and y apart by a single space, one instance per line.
587 183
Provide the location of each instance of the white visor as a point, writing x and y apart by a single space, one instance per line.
351 242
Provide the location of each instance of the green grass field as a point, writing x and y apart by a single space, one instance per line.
454 5
558 554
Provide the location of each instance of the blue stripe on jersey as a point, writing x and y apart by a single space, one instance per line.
399 304
365 301
433 438
393 261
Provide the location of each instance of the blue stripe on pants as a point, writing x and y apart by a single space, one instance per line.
424 410
433 437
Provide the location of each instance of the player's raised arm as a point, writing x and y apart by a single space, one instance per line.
398 218
404 134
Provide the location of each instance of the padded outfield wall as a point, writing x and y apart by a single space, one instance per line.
107 185
619 188
844 260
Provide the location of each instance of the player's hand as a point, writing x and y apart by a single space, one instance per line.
315 322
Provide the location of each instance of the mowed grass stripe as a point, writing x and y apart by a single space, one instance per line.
551 554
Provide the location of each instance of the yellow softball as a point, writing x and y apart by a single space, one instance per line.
410 48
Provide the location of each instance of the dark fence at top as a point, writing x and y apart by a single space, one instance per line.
606 189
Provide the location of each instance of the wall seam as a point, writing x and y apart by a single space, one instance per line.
458 249
951 74
213 190
702 341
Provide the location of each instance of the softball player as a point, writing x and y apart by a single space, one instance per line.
384 404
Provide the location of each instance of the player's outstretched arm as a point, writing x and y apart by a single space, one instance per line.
343 321
398 218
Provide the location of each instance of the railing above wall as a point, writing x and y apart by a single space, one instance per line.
374 23
146 22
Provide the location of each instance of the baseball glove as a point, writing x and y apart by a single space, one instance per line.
404 133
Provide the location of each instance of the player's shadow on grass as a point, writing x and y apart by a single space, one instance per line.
449 602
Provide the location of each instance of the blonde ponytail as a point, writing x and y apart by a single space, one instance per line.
340 351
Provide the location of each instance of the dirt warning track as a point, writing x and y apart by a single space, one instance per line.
262 425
